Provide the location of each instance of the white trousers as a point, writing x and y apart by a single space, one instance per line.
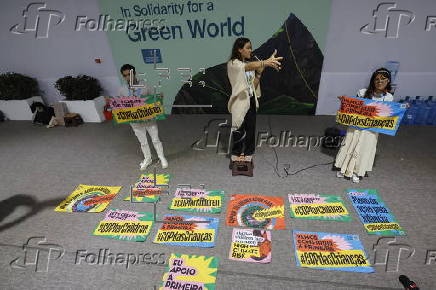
141 130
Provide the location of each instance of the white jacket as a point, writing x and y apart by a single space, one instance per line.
386 98
239 101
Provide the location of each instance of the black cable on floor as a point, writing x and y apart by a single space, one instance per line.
276 167
298 171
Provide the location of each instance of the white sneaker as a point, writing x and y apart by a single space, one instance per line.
163 162
144 164
339 174
355 178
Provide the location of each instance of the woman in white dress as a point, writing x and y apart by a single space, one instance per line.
356 155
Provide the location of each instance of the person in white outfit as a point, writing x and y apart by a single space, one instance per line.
356 156
141 129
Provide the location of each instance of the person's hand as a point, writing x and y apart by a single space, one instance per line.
274 61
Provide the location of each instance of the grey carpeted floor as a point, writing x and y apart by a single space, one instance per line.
39 167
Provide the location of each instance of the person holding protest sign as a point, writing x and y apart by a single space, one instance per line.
142 128
244 76
356 155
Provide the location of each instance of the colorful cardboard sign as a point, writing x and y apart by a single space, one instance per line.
373 213
250 245
135 109
327 251
318 207
188 231
190 272
197 200
146 183
367 114
125 225
88 198
256 211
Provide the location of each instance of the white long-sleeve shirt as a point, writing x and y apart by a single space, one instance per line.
125 91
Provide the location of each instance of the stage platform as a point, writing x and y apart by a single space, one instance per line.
40 167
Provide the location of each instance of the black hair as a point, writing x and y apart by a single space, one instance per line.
238 44
371 87
127 67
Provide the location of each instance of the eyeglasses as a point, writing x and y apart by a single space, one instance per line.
381 79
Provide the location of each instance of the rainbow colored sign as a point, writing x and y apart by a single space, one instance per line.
366 114
88 198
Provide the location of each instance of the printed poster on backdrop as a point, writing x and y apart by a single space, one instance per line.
250 245
318 207
373 213
327 251
125 225
197 200
367 114
197 231
136 109
256 211
190 272
88 198
145 186
170 42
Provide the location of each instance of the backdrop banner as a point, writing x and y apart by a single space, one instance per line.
180 48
